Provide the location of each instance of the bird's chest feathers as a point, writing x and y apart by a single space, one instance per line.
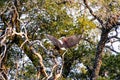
61 42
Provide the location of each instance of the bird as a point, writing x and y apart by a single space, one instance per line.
66 42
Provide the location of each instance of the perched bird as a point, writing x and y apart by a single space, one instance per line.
66 42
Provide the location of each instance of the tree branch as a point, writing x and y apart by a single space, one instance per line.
42 67
92 13
99 53
112 49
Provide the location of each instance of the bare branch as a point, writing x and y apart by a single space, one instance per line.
113 37
40 61
1 76
60 73
39 43
33 50
88 41
2 55
92 13
112 49
53 68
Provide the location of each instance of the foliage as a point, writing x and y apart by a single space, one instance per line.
60 19
113 69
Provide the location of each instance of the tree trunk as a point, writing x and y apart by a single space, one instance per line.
99 53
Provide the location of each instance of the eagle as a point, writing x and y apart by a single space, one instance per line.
66 42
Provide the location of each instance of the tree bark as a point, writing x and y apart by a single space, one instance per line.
99 53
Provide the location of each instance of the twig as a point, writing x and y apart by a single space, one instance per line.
39 43
59 74
88 41
53 68
112 49
2 78
2 55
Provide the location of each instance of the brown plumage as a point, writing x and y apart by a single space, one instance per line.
66 42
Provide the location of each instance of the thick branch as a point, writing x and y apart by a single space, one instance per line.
99 53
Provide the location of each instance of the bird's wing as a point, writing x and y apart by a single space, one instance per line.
70 41
54 41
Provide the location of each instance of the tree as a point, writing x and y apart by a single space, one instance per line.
111 22
25 50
